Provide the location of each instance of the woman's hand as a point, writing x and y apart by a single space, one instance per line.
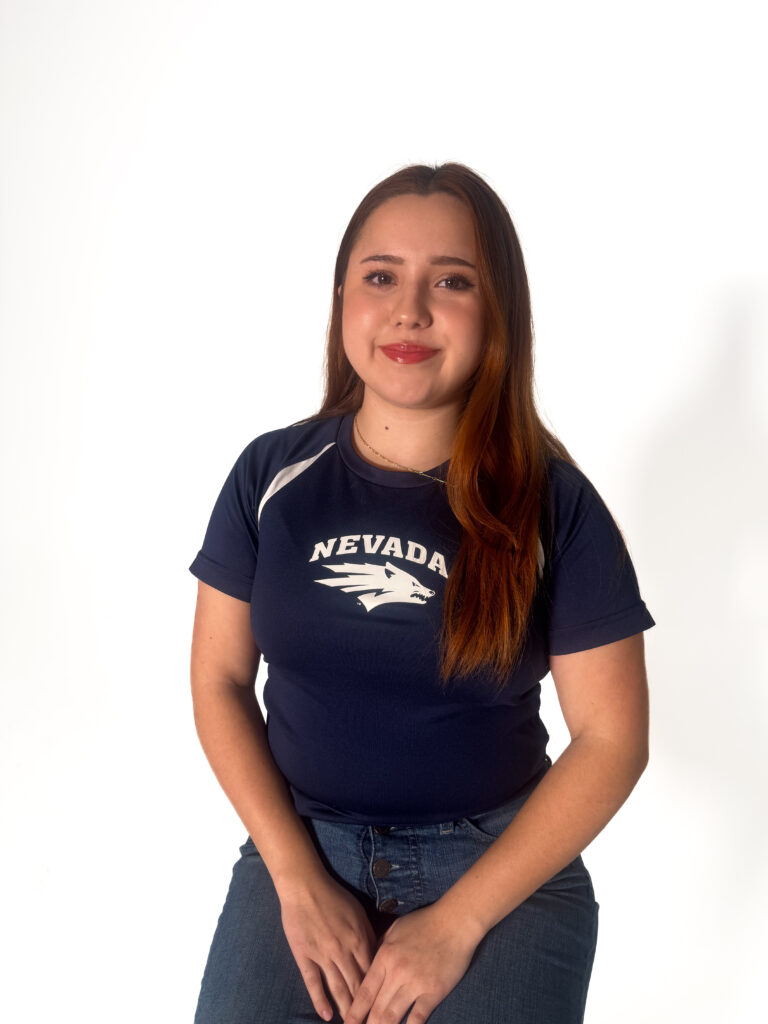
422 957
330 936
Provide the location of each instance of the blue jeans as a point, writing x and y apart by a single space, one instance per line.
533 967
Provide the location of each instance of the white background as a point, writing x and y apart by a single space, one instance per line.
175 180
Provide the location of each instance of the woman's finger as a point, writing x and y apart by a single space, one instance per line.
337 985
313 981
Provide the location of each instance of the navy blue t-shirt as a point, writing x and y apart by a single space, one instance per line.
344 565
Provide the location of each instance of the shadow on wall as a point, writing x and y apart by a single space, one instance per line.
703 502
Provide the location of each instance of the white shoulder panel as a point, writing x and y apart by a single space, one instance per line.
285 476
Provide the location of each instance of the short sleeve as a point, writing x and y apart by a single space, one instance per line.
227 559
594 593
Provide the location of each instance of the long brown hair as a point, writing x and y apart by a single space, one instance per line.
496 481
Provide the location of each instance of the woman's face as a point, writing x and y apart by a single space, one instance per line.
411 312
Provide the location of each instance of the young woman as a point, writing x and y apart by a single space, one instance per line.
412 561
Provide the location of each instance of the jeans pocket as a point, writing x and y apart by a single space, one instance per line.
573 876
489 825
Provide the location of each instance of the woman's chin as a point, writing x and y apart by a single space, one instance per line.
412 398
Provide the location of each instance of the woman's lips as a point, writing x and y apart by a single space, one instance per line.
404 353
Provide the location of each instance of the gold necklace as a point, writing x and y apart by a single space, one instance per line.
406 468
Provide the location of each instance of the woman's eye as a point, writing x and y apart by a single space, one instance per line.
462 282
459 282
375 273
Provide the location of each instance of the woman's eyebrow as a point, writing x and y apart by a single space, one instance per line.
439 261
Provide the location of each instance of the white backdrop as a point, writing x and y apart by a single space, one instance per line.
175 179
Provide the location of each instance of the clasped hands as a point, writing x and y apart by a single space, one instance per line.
419 959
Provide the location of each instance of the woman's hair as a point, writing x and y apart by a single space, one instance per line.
496 481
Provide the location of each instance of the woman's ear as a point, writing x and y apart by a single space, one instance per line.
338 290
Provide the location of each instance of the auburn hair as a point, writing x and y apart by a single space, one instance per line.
497 476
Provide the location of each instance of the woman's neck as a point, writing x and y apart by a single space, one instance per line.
416 439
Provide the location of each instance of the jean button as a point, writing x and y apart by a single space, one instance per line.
382 830
381 868
388 906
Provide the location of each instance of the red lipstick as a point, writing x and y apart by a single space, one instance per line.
404 352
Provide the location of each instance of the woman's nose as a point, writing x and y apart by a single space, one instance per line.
412 306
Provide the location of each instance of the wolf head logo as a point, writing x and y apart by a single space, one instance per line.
378 584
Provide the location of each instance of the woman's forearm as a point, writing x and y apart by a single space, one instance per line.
232 732
574 801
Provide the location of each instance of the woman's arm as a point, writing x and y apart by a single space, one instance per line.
604 697
230 726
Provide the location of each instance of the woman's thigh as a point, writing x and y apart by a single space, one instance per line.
250 975
534 966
